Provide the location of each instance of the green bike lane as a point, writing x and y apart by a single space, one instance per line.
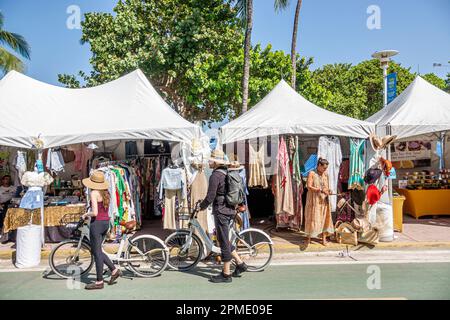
331 281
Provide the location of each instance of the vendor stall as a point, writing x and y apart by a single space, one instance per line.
420 119
280 140
86 129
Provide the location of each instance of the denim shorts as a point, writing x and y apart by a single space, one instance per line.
33 199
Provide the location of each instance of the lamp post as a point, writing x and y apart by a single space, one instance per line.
384 57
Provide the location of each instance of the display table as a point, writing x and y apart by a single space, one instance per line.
54 230
420 203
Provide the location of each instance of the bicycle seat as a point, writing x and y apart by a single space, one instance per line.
129 226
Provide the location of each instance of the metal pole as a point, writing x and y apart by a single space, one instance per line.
385 67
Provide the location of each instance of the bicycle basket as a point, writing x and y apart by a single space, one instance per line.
71 222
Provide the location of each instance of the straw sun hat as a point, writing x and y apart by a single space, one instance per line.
218 156
380 143
96 181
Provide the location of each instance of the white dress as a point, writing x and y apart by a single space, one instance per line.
330 148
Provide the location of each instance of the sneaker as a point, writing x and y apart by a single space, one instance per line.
221 278
240 268
94 286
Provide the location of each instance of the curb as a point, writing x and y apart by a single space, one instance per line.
8 254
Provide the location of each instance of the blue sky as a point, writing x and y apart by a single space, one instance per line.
330 31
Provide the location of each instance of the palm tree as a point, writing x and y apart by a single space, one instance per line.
280 5
9 61
245 12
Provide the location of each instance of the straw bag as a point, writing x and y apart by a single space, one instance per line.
346 234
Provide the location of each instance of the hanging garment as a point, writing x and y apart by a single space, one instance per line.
68 155
55 162
173 179
257 174
297 185
356 180
317 210
33 199
199 189
310 165
330 148
282 188
130 149
172 201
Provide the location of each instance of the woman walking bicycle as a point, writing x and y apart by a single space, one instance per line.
99 197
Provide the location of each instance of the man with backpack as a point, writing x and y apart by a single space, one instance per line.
225 193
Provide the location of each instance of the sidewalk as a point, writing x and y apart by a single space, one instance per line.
422 234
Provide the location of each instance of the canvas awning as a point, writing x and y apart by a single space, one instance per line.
284 111
126 108
421 108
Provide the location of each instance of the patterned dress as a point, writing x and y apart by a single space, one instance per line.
317 210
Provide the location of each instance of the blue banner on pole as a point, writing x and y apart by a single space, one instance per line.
391 86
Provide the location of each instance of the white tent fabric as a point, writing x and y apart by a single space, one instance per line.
126 108
420 108
284 111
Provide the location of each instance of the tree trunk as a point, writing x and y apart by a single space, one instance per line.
294 44
247 46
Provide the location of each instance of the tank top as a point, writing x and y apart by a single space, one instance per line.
102 214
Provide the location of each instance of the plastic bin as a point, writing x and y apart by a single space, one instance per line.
398 212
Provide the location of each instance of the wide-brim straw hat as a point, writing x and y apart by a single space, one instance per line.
375 142
96 181
218 156
387 140
235 165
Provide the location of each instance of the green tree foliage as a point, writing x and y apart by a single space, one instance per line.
357 91
435 80
190 50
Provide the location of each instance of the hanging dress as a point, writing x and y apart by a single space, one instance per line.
282 190
257 174
199 189
356 180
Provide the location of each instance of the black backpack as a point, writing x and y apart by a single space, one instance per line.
234 194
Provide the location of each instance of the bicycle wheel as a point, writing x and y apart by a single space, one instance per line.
183 261
255 248
68 262
148 256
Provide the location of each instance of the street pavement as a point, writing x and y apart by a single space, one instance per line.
326 275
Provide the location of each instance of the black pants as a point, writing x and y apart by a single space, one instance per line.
97 233
222 222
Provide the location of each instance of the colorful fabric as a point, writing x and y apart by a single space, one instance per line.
310 165
356 180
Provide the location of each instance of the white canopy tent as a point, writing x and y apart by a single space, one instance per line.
421 108
284 111
126 108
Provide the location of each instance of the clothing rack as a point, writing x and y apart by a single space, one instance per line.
149 155
112 162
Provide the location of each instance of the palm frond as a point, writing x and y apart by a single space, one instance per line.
281 4
1 20
9 62
16 42
241 8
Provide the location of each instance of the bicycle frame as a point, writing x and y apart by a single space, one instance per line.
116 258
209 244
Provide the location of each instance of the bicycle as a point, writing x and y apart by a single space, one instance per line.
145 255
186 248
